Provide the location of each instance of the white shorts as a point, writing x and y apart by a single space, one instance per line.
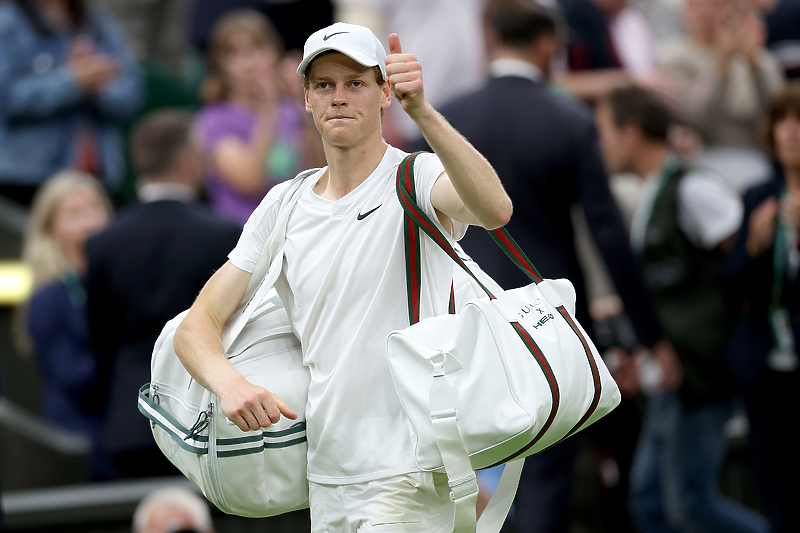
409 503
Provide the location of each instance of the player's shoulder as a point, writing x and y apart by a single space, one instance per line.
272 200
423 159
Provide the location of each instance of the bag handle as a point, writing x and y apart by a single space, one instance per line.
415 219
414 216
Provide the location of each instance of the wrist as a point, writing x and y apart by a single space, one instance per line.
226 379
425 115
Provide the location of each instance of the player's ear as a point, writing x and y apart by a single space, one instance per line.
386 100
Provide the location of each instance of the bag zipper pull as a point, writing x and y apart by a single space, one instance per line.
202 423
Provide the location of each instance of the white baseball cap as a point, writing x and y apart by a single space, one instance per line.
356 42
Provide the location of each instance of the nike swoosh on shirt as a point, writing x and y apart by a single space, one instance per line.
332 34
362 216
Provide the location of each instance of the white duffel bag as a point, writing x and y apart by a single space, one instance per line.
511 374
246 473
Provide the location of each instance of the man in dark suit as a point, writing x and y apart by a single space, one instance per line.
144 269
545 149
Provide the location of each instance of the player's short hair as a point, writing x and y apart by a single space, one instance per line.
520 22
158 139
637 105
783 104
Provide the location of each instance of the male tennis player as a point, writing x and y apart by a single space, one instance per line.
343 284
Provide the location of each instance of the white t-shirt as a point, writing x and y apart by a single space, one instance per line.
343 284
709 209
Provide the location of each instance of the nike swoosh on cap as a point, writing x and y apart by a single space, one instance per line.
325 38
362 216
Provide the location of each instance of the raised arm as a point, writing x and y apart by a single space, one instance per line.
469 190
199 346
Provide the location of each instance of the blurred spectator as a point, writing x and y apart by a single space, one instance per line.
446 37
157 30
545 150
664 18
294 19
66 211
685 222
144 269
783 32
762 269
253 135
610 45
172 510
65 77
724 77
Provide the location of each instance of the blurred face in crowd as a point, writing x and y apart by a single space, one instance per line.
786 133
249 63
79 215
618 143
168 519
345 99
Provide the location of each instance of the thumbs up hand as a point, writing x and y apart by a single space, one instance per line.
405 77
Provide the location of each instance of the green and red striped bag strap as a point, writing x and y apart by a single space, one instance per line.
415 219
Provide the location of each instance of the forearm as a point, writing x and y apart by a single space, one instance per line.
769 77
38 97
197 339
241 163
473 178
122 97
198 345
261 144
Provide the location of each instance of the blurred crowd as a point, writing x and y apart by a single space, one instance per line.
651 149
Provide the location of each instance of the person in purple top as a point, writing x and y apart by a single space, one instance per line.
253 134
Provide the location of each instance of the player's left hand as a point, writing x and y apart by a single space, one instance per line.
405 77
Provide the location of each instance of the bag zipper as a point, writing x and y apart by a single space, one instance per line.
213 460
166 390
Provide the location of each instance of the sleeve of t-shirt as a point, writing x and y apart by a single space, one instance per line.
212 125
257 229
710 209
427 169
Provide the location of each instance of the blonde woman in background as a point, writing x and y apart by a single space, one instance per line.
68 208
253 126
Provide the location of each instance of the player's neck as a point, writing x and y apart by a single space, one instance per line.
349 167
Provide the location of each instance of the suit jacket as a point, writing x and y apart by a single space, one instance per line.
144 269
545 149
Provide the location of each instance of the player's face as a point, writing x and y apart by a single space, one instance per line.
345 100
